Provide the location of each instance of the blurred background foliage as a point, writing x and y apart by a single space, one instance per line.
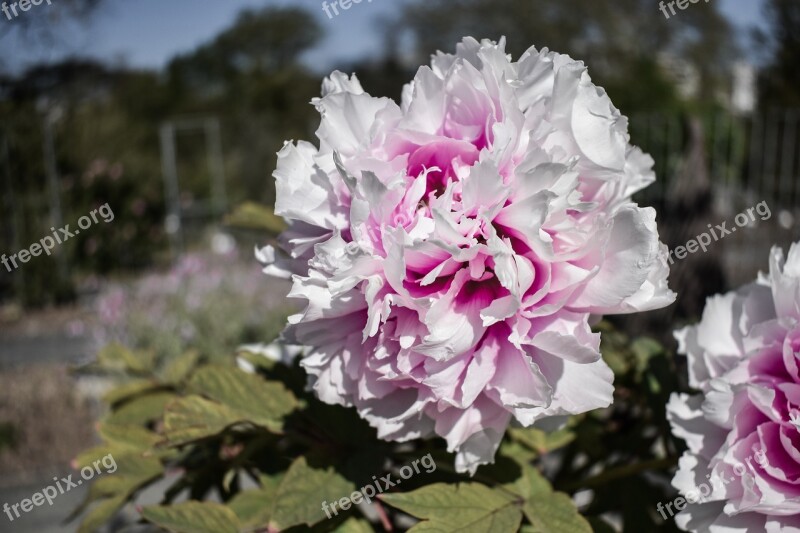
104 118
210 303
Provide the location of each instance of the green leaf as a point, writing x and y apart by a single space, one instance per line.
195 418
131 473
86 457
101 514
257 360
354 525
541 441
127 390
615 349
193 517
555 514
518 453
263 402
238 397
547 511
290 500
532 484
179 368
117 357
135 438
644 349
301 493
251 215
142 410
254 507
467 508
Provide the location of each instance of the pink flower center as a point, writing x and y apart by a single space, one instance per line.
446 157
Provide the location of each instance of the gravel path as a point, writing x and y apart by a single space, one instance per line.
21 351
43 519
53 348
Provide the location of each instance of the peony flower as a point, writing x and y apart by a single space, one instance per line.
741 430
451 249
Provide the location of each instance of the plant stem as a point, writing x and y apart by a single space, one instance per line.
387 524
621 472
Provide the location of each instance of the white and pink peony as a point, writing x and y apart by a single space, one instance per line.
451 249
742 429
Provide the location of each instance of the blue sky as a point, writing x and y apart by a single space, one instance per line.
147 33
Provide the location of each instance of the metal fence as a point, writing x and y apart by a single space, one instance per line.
712 167
757 153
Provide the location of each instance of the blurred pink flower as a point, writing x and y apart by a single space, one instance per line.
203 301
111 306
452 249
76 328
116 171
744 356
95 169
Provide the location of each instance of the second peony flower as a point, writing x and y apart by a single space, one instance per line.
743 429
452 249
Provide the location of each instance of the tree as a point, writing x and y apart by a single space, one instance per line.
264 40
250 75
621 40
780 80
43 29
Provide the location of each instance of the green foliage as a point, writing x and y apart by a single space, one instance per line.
630 439
253 216
265 403
296 499
543 442
194 418
257 451
602 37
193 517
266 39
117 357
545 509
353 525
779 81
468 507
472 507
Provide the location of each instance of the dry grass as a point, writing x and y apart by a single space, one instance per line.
43 422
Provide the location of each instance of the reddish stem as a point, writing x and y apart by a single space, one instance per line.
387 524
